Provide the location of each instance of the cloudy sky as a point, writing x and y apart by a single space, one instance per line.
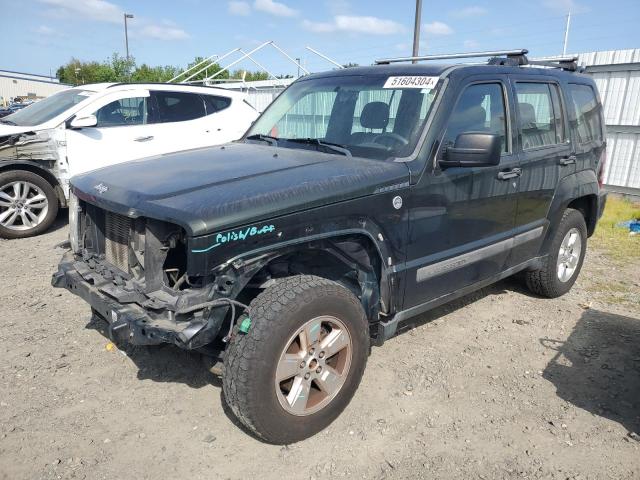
40 35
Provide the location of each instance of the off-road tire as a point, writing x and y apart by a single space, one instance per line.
545 281
251 358
49 192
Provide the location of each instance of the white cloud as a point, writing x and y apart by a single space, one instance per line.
470 11
274 8
239 8
100 10
165 31
355 24
437 28
319 27
471 44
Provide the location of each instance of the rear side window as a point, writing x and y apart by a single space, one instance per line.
214 104
587 126
480 108
540 114
179 106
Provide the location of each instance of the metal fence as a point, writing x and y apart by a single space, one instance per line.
617 75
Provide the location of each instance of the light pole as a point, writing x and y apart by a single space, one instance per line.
126 33
416 29
298 62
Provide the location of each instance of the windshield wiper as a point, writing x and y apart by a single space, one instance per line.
265 138
336 147
8 122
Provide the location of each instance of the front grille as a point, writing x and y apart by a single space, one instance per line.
116 242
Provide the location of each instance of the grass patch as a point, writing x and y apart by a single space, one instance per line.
614 240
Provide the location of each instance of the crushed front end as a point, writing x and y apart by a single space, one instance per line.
133 273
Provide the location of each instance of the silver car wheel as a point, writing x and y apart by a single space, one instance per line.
313 366
23 205
569 255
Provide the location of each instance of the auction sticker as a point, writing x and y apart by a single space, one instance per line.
411 81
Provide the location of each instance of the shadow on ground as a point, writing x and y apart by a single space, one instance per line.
511 284
598 367
61 221
164 363
168 363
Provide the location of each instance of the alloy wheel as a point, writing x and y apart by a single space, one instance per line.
313 366
569 255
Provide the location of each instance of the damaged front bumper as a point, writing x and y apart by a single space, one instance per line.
129 321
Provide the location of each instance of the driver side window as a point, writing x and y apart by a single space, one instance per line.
480 108
126 111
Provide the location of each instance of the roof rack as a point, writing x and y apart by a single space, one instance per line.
451 56
517 57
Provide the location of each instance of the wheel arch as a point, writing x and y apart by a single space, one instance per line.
351 259
579 191
34 167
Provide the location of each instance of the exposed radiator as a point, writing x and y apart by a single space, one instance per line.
116 244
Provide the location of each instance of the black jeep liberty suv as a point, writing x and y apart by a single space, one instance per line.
360 198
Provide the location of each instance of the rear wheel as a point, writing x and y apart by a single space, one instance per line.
561 267
299 364
28 204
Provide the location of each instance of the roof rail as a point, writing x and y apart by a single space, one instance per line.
565 63
516 54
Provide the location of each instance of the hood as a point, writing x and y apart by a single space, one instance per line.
6 130
211 189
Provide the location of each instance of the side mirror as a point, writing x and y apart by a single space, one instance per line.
473 150
83 122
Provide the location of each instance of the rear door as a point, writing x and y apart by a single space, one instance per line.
546 157
462 218
180 121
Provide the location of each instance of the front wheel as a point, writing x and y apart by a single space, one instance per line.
301 360
561 267
28 204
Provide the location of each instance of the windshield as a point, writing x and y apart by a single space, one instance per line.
373 116
48 108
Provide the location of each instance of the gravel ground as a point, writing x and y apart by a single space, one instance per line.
498 385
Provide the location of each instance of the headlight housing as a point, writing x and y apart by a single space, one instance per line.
74 224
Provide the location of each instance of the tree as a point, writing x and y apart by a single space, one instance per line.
250 76
121 69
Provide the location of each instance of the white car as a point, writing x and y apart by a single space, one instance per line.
84 128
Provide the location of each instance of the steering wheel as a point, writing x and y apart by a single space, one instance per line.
391 136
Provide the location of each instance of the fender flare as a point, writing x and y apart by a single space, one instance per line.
571 187
234 274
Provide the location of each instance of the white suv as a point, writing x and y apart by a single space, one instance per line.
84 128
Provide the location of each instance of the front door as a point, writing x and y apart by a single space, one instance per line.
461 219
124 131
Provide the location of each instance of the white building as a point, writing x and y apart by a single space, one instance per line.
26 85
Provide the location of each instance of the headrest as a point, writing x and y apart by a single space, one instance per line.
375 115
527 114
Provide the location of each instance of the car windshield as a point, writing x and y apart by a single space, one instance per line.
372 116
48 108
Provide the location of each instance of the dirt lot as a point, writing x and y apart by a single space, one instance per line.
498 385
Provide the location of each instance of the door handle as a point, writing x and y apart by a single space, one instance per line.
506 175
571 159
143 139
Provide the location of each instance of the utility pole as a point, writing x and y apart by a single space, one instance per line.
566 34
126 33
416 29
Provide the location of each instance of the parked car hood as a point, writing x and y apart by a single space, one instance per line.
6 129
211 189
